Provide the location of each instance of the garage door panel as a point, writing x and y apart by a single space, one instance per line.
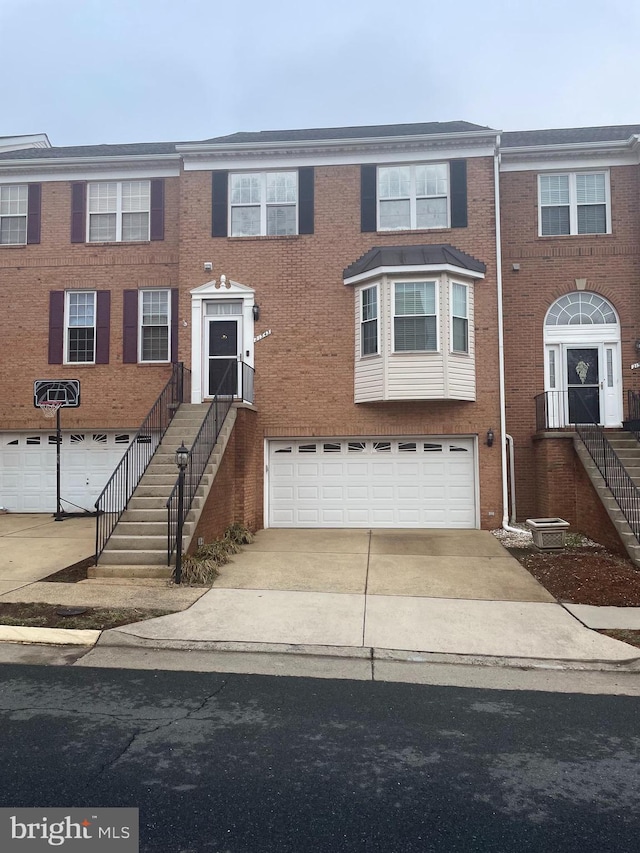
398 482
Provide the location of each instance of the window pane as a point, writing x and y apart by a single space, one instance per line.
394 215
102 227
592 219
245 189
245 221
431 213
460 335
81 345
282 187
555 220
13 230
415 298
155 307
554 189
281 220
415 333
155 343
103 197
369 337
394 182
81 309
370 303
135 196
459 300
135 226
13 200
431 180
590 189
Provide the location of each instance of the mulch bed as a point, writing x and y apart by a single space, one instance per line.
35 615
584 575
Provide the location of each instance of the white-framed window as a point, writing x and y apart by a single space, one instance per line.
263 203
459 317
369 314
574 203
155 325
413 196
80 327
14 200
118 211
415 316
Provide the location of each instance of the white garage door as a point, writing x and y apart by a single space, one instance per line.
372 482
28 468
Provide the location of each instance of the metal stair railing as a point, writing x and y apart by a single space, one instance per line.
632 424
115 496
615 475
203 445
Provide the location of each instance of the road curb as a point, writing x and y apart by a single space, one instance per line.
49 636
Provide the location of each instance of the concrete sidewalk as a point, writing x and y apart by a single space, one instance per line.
352 593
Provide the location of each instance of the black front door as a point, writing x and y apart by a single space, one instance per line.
223 357
583 385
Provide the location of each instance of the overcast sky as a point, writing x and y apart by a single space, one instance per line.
92 71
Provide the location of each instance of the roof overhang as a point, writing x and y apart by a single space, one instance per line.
413 269
618 152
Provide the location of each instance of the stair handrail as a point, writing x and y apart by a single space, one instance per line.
204 443
607 461
115 496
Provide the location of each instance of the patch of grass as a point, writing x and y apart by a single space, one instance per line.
35 615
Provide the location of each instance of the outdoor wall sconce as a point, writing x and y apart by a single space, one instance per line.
256 312
490 437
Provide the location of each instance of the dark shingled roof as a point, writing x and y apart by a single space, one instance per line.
132 149
435 254
327 133
568 135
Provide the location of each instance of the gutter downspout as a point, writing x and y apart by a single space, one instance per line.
512 478
503 418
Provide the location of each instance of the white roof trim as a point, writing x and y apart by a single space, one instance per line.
405 269
223 288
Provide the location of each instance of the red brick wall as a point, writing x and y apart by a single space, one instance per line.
234 495
563 489
549 267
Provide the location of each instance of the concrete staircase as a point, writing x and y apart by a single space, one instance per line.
627 450
138 545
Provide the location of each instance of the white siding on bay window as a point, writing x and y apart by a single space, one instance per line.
441 375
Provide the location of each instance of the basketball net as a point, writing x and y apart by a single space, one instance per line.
49 409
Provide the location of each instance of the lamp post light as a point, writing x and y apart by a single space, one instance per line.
182 460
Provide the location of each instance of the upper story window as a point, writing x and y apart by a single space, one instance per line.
369 321
411 197
263 203
80 327
574 203
118 211
13 214
155 321
459 318
415 321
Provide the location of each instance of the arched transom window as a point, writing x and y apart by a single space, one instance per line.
580 309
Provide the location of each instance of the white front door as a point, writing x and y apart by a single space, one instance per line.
585 384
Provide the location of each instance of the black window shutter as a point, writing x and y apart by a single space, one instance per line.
130 327
56 326
458 173
305 200
368 198
103 326
219 193
33 215
157 209
78 212
174 324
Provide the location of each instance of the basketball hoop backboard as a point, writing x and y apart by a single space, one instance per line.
64 392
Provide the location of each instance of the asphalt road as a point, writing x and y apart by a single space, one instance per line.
235 763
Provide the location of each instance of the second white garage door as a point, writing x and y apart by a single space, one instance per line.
372 482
